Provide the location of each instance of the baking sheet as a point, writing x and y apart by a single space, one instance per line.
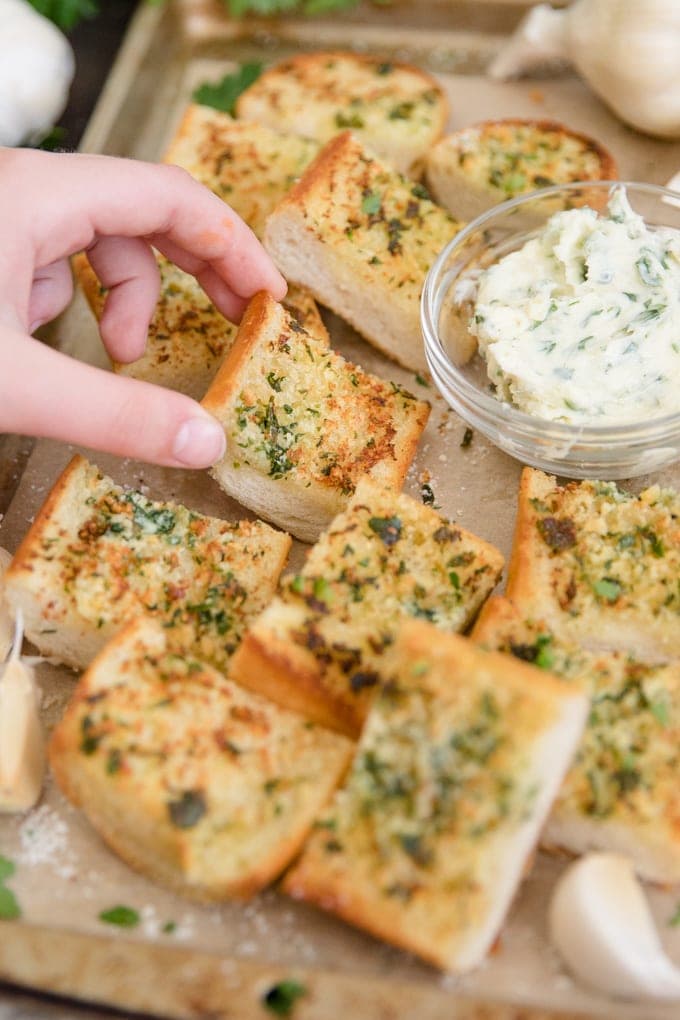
64 875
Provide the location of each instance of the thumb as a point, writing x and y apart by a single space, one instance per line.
45 393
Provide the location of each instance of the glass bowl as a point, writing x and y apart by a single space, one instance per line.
606 452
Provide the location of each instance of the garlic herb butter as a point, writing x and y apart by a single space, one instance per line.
582 324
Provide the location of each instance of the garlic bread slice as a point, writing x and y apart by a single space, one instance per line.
318 647
197 783
303 425
427 840
598 565
475 168
621 793
99 555
395 108
362 238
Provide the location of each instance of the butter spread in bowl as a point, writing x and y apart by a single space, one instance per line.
582 323
556 334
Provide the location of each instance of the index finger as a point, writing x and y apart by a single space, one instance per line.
76 198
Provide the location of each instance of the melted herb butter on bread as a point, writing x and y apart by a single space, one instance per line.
600 566
250 166
472 169
362 239
99 555
457 765
194 781
397 109
621 793
303 425
318 647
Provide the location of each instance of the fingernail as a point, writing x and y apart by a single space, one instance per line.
199 443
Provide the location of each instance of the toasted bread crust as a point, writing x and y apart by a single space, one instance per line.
419 846
303 425
472 169
204 787
362 239
225 384
396 108
288 674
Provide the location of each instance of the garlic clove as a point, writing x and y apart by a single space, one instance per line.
36 70
602 925
6 623
644 92
598 38
22 744
673 185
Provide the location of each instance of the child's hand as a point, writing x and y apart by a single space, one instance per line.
53 205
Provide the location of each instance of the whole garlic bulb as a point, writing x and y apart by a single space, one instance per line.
36 70
627 50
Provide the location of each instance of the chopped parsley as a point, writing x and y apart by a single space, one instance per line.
388 528
608 589
281 998
222 95
370 203
150 519
122 916
188 809
349 120
6 868
9 907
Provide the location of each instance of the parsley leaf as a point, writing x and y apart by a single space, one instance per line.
388 528
608 589
6 868
222 95
124 917
9 908
188 809
281 998
66 13
371 202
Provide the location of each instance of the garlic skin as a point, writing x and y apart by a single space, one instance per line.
22 743
603 928
626 51
540 41
36 70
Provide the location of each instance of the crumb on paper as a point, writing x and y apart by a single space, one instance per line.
44 840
